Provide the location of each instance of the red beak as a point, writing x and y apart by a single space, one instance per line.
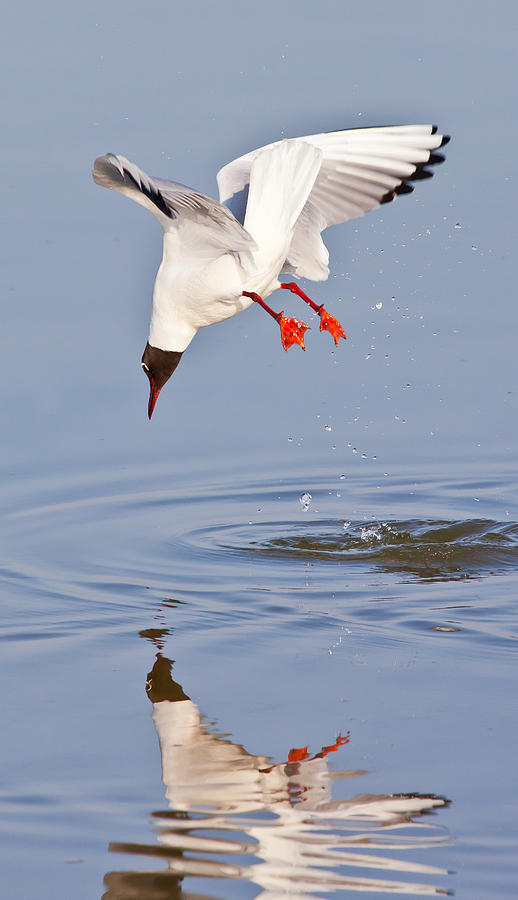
153 397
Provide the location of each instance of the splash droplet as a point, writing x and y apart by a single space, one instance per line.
457 225
305 500
379 305
327 428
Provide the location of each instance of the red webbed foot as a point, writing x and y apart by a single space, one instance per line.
329 323
292 331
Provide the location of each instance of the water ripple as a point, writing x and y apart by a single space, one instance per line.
422 547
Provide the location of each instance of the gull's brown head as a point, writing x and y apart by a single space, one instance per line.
158 365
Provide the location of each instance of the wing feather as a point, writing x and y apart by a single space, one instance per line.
361 169
171 202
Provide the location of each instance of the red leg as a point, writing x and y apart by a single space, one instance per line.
327 322
292 330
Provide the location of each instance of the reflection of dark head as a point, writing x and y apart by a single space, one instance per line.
159 683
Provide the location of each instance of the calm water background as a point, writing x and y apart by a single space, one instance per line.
128 543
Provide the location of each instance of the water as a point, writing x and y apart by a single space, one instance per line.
264 645
345 673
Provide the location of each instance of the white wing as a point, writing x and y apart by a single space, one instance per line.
281 180
361 169
171 202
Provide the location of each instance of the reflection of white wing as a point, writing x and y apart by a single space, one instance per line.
360 169
199 769
307 844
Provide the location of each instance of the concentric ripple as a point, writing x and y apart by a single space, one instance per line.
248 550
423 547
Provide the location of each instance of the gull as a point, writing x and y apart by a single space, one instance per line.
274 202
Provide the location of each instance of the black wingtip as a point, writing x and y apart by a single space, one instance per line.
421 174
435 159
446 138
404 188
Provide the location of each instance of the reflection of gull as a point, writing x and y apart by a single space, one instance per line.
215 264
309 843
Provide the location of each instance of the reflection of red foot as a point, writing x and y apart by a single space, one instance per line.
340 741
301 753
297 755
292 331
329 323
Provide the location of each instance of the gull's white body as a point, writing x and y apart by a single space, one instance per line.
296 188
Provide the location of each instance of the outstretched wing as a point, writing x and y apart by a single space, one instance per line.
361 169
171 202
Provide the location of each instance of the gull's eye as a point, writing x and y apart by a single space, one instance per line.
145 368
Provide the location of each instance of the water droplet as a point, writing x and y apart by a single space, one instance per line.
327 428
290 439
474 247
374 457
379 304
457 225
346 525
305 500
364 456
342 477
355 450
